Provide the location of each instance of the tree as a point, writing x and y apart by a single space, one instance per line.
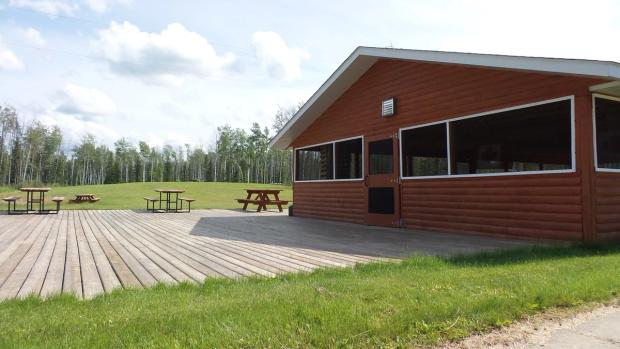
284 114
32 154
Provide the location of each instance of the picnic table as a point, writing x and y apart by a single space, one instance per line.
85 198
33 196
262 199
165 195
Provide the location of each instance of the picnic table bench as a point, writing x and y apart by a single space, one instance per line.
85 198
9 200
58 200
152 201
262 199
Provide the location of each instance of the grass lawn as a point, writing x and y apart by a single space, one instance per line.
420 301
130 195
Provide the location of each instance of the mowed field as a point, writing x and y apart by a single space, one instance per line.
131 195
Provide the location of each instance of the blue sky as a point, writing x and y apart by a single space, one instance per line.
172 71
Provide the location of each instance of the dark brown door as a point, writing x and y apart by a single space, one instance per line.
382 181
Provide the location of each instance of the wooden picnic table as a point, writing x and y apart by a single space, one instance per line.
262 199
85 198
35 196
165 195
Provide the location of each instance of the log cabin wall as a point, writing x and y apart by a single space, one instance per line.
607 206
540 205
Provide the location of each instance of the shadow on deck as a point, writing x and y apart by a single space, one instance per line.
340 237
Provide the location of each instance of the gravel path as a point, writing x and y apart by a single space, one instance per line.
595 327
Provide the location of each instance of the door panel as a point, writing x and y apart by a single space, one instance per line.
382 181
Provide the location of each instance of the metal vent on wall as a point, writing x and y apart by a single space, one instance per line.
388 107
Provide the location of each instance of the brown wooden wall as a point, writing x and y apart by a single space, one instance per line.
607 206
340 201
546 206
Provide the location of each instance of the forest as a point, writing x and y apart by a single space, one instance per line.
32 153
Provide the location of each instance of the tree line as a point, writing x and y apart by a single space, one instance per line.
32 153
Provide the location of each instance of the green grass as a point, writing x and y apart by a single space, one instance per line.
420 301
130 195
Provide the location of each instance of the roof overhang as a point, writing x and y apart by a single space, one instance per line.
364 57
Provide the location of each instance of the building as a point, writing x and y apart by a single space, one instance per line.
458 142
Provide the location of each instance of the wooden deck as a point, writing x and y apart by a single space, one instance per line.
90 252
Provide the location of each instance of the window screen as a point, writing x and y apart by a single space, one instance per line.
535 138
380 157
349 159
424 151
314 163
607 133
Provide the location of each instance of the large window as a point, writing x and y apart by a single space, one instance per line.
340 160
425 151
349 159
315 163
607 119
532 138
536 138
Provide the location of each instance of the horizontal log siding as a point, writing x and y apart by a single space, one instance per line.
546 206
607 205
341 201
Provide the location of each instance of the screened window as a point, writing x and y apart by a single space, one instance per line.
607 114
349 159
536 138
424 151
315 163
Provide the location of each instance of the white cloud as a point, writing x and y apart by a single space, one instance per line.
8 59
281 61
49 7
33 37
86 104
79 111
458 26
171 56
75 129
103 5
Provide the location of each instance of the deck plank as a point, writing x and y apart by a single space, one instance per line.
87 253
117 270
232 263
91 282
190 266
172 266
72 279
19 274
56 269
34 281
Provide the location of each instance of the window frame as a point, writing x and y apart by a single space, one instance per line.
400 148
333 144
594 143
573 168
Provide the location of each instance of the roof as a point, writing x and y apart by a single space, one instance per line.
364 57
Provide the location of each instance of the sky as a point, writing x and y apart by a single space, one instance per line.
171 72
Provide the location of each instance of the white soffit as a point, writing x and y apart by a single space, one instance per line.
364 57
611 88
